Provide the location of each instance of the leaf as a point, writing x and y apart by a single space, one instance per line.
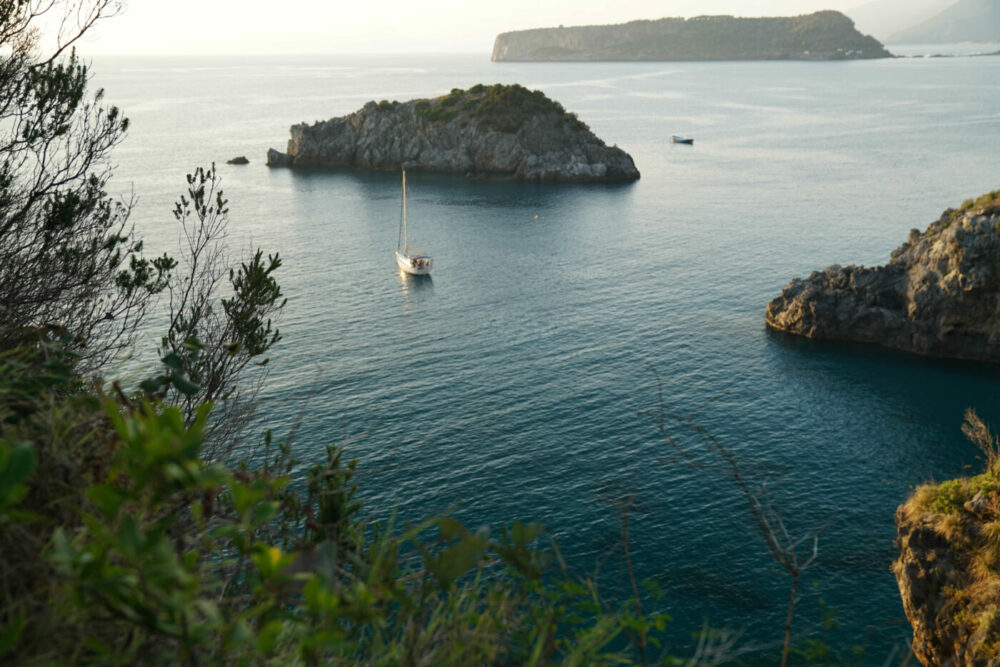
183 385
153 385
457 559
173 360
129 539
107 498
451 529
18 467
10 634
522 534
193 344
267 637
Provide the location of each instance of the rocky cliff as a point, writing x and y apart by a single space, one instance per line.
948 570
487 130
939 294
826 35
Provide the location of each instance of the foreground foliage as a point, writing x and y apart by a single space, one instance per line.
121 545
70 263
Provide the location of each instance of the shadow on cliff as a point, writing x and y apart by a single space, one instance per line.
879 354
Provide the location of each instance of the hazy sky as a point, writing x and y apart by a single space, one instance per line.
382 26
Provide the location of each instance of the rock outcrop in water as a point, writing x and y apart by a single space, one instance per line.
826 35
487 130
948 570
939 294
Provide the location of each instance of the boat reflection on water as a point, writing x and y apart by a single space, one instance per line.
415 284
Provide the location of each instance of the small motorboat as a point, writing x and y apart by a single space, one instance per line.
682 140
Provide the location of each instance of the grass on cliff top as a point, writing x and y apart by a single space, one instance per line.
987 204
505 108
950 498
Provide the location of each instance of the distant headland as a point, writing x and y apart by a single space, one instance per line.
962 21
826 35
496 130
939 295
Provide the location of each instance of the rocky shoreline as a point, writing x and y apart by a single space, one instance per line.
502 131
939 294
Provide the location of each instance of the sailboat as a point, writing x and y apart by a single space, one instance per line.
409 259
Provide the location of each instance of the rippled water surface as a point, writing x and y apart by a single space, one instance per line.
509 385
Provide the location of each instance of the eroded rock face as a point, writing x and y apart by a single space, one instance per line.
926 569
466 132
949 574
938 295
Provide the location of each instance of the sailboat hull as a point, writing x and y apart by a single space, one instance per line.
416 265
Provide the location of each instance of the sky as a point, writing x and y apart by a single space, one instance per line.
238 27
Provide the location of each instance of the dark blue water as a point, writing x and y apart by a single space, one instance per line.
509 385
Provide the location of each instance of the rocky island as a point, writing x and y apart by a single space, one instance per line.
826 35
939 294
496 130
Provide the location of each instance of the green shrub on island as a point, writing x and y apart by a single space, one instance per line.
505 108
987 204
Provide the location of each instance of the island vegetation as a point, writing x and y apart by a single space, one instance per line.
826 35
505 108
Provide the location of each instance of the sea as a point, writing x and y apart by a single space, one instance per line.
563 324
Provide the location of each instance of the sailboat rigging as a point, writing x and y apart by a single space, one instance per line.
409 259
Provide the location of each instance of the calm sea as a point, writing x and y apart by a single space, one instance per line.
509 386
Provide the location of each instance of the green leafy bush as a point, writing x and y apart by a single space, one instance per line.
503 107
154 554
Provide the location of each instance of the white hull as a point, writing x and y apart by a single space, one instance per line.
417 265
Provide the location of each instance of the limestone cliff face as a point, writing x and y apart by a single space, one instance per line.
826 35
948 571
926 569
488 130
939 294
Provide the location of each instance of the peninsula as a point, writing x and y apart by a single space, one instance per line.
826 35
499 130
939 295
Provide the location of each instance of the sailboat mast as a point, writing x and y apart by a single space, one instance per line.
406 239
402 216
